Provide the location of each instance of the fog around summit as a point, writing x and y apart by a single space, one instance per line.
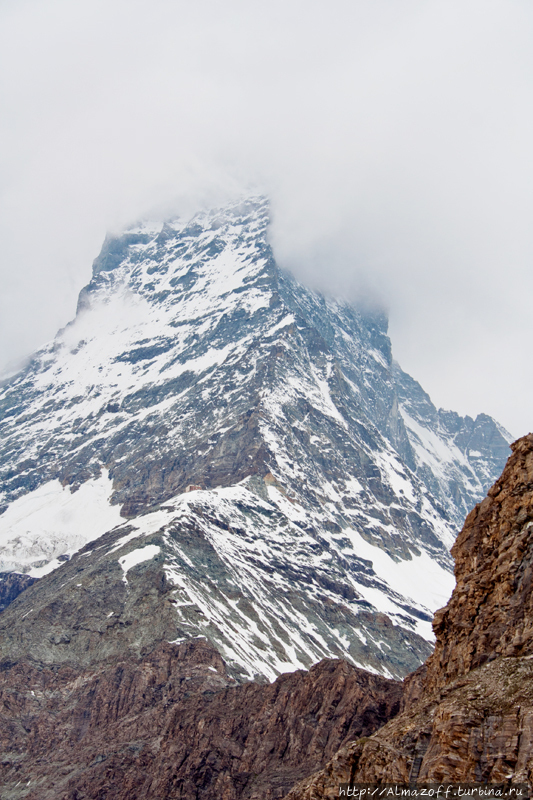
394 141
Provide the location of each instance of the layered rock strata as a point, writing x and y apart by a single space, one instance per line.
174 725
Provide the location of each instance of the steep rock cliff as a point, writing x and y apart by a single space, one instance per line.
468 713
490 613
174 725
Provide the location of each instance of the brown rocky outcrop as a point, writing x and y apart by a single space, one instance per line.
174 725
490 613
468 712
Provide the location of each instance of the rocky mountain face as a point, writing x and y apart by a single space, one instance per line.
130 590
174 725
468 713
210 449
11 585
172 722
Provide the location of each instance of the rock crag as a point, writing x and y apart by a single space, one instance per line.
174 725
468 712
490 613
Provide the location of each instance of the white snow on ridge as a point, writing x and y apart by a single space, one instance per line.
137 557
419 582
94 357
53 521
395 474
432 450
421 579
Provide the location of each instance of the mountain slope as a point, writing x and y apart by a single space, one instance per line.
325 485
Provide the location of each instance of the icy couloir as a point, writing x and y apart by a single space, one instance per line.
328 485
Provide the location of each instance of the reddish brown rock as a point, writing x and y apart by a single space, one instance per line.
174 725
490 613
477 729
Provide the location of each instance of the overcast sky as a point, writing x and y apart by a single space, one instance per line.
394 138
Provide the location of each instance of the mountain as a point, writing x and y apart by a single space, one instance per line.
468 712
209 449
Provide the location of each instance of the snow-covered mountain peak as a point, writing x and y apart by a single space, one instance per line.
323 470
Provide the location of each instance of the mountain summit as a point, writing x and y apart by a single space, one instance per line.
211 449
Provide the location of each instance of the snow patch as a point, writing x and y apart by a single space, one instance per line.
421 579
51 521
137 557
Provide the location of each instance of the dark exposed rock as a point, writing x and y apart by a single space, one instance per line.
171 725
11 585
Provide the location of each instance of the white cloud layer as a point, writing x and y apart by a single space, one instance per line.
393 138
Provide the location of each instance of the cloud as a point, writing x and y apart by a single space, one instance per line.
393 138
